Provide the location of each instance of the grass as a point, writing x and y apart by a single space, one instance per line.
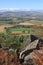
2 27
12 29
25 31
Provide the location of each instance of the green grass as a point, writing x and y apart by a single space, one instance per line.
12 29
26 31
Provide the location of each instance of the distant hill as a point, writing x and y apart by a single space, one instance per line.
27 13
7 15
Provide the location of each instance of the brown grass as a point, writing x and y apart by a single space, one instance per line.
3 26
26 23
32 22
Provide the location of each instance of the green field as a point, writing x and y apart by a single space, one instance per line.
26 30
12 29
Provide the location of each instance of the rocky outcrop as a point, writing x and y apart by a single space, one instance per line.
27 54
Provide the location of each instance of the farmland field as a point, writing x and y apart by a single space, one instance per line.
12 29
25 30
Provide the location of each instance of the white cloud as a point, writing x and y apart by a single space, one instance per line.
14 9
9 8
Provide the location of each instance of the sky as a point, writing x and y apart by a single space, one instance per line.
22 4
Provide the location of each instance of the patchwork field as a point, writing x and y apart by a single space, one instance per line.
23 28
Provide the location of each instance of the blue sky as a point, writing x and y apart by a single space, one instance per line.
22 4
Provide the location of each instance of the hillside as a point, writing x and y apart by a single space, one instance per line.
7 58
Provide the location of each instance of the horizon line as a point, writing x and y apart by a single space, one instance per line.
21 9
